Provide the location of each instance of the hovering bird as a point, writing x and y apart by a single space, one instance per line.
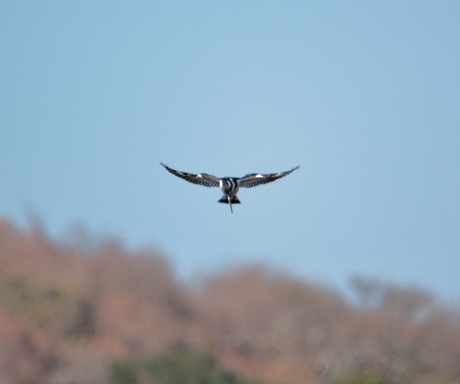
229 185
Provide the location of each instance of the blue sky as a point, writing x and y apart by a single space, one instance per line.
364 96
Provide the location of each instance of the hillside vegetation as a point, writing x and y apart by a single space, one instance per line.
85 311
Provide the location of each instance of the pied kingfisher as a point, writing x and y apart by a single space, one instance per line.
229 185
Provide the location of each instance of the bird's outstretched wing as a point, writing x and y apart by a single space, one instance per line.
254 179
200 179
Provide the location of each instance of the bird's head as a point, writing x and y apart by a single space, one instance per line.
226 185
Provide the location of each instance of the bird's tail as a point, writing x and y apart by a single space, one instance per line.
225 200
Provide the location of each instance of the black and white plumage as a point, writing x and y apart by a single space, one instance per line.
229 185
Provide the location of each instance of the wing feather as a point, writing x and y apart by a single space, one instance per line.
254 179
200 178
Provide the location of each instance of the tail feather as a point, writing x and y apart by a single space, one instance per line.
233 200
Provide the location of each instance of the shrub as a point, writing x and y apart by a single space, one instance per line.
189 367
361 376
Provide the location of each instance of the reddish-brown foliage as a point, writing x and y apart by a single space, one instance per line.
67 311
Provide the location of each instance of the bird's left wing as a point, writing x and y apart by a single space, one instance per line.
200 178
254 179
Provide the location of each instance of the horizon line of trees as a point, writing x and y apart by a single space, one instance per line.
87 310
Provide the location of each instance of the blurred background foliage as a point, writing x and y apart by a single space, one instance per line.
87 310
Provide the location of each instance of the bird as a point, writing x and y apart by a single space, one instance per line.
229 185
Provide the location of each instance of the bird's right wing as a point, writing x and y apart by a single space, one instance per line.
200 178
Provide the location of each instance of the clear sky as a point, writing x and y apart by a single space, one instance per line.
364 96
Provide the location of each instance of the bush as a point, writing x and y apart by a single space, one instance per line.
359 376
190 367
124 372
